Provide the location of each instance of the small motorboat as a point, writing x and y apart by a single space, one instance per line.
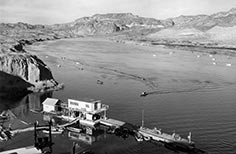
4 135
143 94
99 82
138 137
3 117
111 130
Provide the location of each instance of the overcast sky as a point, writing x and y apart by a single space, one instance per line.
61 11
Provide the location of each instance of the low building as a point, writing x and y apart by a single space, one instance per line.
51 105
89 105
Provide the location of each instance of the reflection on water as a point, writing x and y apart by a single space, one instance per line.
29 102
100 142
83 137
20 112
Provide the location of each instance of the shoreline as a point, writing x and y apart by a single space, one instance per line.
214 48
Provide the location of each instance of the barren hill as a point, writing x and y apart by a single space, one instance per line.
111 23
206 22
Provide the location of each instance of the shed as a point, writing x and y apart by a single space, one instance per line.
51 105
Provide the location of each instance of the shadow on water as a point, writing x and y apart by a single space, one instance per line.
8 101
175 147
24 104
181 148
131 147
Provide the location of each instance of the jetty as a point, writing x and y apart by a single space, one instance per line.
91 115
24 150
85 118
41 145
111 122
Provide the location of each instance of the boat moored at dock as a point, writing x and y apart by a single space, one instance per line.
157 135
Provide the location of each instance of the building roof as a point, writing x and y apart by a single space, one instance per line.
86 100
51 101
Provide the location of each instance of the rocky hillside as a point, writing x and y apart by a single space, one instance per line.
214 31
226 35
206 22
101 24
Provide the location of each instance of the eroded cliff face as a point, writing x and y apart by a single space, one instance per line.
26 66
29 68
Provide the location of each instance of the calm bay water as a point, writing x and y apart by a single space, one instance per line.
188 93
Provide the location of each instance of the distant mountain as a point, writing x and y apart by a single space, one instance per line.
218 29
101 24
206 22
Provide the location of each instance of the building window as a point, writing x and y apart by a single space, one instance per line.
74 103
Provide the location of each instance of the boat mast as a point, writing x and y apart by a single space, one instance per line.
142 118
189 137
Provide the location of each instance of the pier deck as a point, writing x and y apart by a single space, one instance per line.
112 122
29 150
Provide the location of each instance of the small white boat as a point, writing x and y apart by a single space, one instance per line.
139 139
99 82
3 136
143 94
229 65
147 138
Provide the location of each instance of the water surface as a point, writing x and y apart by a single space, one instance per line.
187 93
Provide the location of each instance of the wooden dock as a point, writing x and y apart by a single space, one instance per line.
29 150
111 122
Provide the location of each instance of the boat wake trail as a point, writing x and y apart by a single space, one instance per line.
205 86
144 80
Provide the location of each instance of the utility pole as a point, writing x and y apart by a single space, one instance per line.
43 142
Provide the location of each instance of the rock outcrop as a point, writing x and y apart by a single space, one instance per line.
26 66
29 68
17 63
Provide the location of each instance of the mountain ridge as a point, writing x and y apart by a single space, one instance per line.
206 22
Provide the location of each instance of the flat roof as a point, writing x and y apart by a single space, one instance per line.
88 100
51 101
